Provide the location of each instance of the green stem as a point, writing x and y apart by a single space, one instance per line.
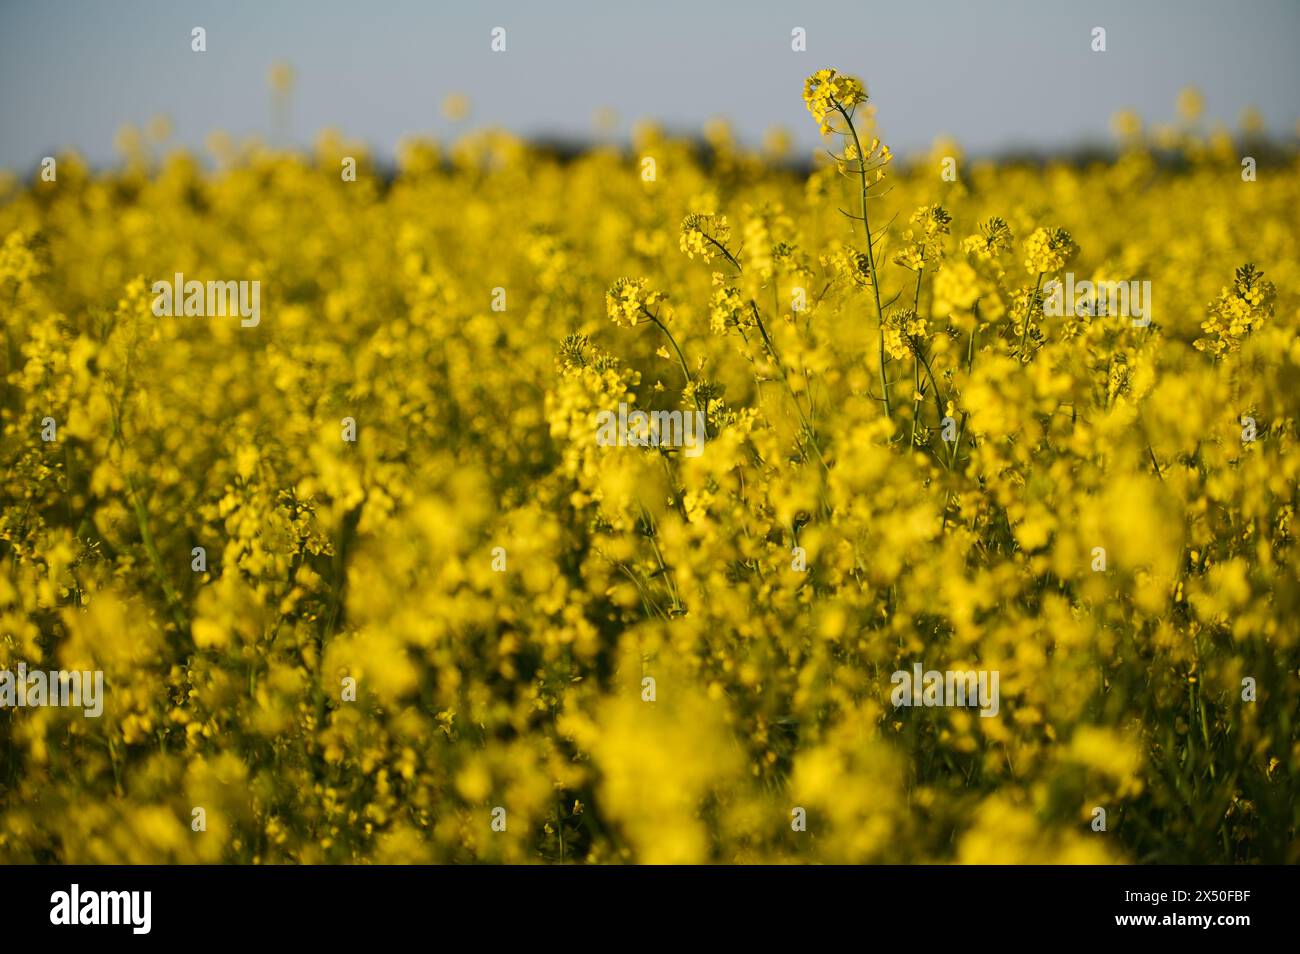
871 254
723 249
938 398
916 395
916 365
681 358
690 380
970 363
785 379
1024 332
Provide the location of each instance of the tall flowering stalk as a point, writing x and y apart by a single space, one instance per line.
827 93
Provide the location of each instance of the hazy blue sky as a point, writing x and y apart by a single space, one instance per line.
993 74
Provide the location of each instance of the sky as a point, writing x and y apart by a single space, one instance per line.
996 75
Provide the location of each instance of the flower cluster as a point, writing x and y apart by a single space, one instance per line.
705 236
905 332
992 240
1241 308
1048 250
923 246
728 309
628 301
827 92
